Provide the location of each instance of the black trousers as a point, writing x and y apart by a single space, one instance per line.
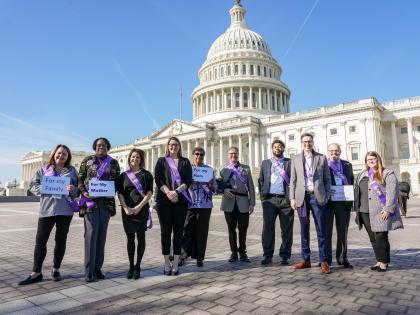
236 219
131 247
402 201
196 231
272 208
45 226
379 240
171 219
341 211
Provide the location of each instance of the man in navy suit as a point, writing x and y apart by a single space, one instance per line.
273 185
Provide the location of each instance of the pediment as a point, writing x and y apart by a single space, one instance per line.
175 128
32 154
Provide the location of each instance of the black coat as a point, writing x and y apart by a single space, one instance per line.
264 181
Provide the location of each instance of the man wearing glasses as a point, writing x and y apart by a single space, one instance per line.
238 202
341 172
310 189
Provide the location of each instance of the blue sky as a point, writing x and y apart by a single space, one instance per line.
74 70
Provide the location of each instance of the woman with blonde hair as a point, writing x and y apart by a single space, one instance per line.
376 204
173 177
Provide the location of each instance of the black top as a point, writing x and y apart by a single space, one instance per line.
126 188
163 177
364 195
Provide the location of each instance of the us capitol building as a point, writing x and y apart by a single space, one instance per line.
241 101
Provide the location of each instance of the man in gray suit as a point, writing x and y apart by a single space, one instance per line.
310 189
238 202
273 185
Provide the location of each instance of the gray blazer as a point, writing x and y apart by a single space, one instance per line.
243 202
390 188
322 179
50 206
264 182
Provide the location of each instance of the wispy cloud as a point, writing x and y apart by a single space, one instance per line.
139 96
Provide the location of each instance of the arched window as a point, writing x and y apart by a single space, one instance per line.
258 70
251 70
245 95
228 70
237 99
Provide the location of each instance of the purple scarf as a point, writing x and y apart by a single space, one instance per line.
337 169
49 171
176 179
234 168
278 165
376 187
135 181
103 166
303 212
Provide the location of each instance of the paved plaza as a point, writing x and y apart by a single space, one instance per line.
217 288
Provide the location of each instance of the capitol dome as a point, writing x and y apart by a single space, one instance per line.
239 76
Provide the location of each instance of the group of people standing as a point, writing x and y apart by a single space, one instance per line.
304 184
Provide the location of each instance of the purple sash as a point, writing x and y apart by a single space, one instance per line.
238 174
303 212
135 181
176 178
99 173
70 200
376 187
337 169
280 169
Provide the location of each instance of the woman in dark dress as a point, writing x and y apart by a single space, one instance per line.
135 188
173 177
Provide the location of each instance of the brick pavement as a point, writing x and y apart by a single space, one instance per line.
219 287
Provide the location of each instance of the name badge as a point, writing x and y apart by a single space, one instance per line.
101 188
202 174
342 193
55 185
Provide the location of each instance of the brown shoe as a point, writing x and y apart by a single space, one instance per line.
302 264
325 268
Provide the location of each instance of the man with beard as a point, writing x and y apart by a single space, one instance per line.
273 185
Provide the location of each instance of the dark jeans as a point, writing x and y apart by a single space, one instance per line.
319 214
131 247
196 230
45 226
341 211
402 201
236 219
96 228
171 219
272 208
379 240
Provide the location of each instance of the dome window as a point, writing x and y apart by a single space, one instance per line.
245 96
236 69
265 72
251 70
229 100
237 99
258 70
244 69
270 73
228 71
222 72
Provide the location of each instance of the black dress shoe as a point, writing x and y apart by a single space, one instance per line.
285 262
130 273
181 262
233 257
89 278
200 263
99 275
380 269
244 258
56 276
348 265
167 272
266 260
374 268
31 280
175 272
136 274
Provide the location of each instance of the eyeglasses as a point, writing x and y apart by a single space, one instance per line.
199 154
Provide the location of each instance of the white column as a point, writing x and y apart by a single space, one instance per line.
152 159
410 137
394 141
208 110
230 141
259 98
159 152
250 150
212 153
146 163
257 151
275 100
268 145
262 146
240 145
343 150
189 149
268 100
197 143
241 97
281 102
221 152
232 98
222 100
193 108
250 101
214 109
205 149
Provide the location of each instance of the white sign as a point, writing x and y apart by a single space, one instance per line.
101 188
202 174
55 185
342 193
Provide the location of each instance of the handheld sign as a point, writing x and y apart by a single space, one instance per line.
55 185
202 174
101 188
342 193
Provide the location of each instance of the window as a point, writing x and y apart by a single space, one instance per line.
265 71
270 73
291 138
418 128
354 151
333 132
245 99
222 72
404 130
229 100
236 69
254 100
228 70
352 129
209 75
251 70
237 97
215 73
272 103
243 69
405 152
258 70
